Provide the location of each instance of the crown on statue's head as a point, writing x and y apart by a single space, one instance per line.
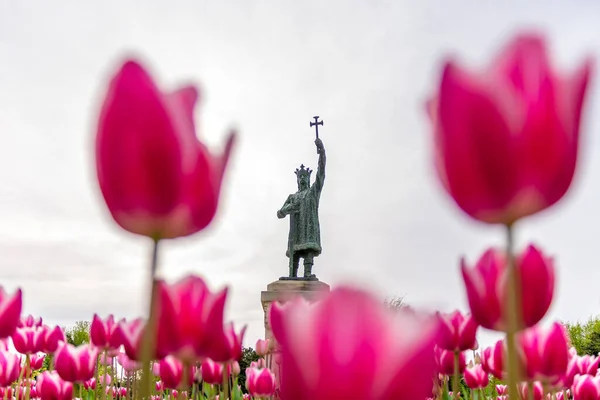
303 171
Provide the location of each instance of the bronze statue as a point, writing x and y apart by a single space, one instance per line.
304 239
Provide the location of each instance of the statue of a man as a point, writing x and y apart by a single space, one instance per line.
304 240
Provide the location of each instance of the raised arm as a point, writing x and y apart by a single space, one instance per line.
320 179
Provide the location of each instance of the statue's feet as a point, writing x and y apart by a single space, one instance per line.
311 277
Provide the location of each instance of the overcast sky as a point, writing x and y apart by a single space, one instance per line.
266 68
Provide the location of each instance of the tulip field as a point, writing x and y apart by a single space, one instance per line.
505 147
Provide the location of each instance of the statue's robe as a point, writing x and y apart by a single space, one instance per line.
305 233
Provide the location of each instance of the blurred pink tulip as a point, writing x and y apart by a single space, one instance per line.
105 380
181 332
128 364
130 334
52 338
105 360
10 367
538 391
159 386
262 347
492 360
156 369
36 361
260 382
457 332
76 364
29 340
30 322
10 312
171 373
50 386
445 361
544 352
486 287
587 365
501 389
156 177
104 333
90 384
234 368
211 372
476 377
586 387
566 381
335 333
506 138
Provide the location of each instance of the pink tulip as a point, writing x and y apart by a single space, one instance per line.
157 179
544 352
130 334
262 347
10 365
211 372
492 360
52 338
128 364
227 347
29 340
260 382
445 361
29 322
160 386
172 374
105 380
506 138
586 387
36 361
50 386
105 360
587 365
103 333
156 369
181 331
10 312
341 334
538 391
458 332
501 389
258 364
90 384
6 392
486 287
76 364
476 377
234 368
566 381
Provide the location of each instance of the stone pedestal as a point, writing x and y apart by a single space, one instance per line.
284 290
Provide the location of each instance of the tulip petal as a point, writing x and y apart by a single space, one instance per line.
137 150
474 147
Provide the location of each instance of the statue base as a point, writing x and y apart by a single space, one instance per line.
286 289
313 277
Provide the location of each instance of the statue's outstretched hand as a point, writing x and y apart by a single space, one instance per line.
319 144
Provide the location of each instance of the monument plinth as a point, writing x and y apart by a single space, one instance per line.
282 291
